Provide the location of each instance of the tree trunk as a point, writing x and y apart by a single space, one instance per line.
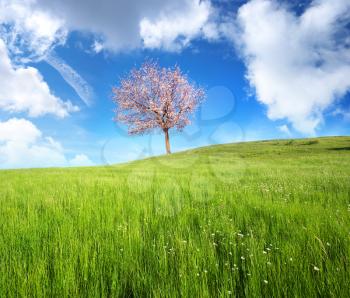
167 143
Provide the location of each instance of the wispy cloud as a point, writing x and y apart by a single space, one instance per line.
341 112
81 87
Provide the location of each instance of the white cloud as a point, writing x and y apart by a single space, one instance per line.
19 130
24 90
298 65
174 30
97 46
132 24
37 26
22 145
285 129
30 32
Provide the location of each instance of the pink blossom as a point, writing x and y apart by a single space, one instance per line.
156 98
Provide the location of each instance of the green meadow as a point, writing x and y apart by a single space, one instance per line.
254 219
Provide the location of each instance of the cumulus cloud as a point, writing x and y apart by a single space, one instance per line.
175 29
19 130
24 90
131 24
299 65
34 27
23 145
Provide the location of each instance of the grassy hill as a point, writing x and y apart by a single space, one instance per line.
251 219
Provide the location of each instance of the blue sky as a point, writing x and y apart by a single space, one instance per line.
270 70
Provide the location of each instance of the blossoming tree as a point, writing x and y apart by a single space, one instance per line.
152 97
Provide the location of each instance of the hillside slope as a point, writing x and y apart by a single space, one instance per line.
251 219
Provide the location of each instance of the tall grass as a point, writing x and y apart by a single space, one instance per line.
252 219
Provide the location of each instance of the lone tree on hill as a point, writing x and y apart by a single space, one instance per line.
152 97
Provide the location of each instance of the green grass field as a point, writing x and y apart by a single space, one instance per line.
252 219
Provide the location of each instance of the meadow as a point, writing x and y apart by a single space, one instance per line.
256 219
